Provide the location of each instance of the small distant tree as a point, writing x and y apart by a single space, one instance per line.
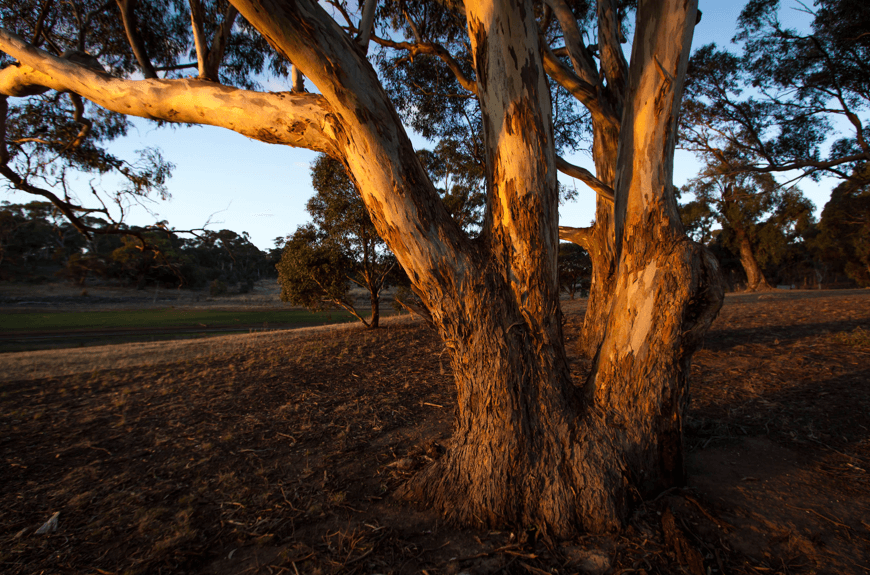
575 269
321 260
313 272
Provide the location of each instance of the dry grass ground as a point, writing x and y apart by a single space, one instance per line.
279 453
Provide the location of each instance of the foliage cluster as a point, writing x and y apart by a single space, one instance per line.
320 261
36 242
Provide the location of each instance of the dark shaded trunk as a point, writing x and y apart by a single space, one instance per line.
755 280
375 296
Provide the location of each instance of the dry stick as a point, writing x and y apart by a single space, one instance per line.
820 515
836 451
718 521
534 570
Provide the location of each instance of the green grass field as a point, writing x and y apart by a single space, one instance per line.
162 318
30 331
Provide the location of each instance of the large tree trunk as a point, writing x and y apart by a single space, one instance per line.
529 448
755 280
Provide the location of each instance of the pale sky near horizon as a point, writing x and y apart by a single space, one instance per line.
250 186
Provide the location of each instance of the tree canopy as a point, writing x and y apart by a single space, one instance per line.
320 261
772 106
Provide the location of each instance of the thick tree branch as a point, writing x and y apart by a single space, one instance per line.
219 44
585 176
128 17
586 93
197 16
584 65
299 120
366 25
613 62
372 142
583 237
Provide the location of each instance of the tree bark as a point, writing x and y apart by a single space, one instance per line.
375 296
602 247
755 280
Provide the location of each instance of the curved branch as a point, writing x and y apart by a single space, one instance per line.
585 176
128 17
586 93
79 118
580 236
799 165
433 50
298 120
584 65
67 209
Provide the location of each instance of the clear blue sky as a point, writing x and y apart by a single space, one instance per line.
245 185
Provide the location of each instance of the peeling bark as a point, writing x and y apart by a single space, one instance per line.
299 120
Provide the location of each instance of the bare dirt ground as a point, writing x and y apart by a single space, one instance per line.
281 455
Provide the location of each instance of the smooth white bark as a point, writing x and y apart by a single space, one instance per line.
299 120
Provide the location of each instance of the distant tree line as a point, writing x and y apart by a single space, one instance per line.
38 243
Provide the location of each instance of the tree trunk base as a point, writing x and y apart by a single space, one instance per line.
563 483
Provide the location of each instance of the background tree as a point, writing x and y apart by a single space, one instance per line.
528 447
785 102
38 243
773 106
575 269
344 237
842 243
759 219
313 272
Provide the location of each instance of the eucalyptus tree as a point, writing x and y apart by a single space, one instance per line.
759 217
343 246
528 447
843 238
775 104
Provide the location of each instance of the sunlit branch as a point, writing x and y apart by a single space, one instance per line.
585 176
299 120
580 236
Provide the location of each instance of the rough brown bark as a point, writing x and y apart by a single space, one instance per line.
602 248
